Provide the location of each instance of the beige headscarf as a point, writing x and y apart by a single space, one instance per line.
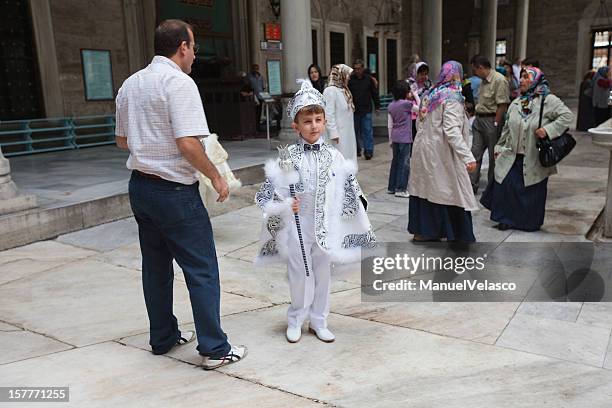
339 77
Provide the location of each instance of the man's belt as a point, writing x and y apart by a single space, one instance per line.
147 175
486 115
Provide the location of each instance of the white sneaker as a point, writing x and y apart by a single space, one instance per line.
293 334
323 334
235 354
403 194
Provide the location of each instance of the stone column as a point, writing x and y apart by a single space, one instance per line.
241 34
608 208
11 200
297 52
432 36
488 30
522 22
149 17
42 27
136 44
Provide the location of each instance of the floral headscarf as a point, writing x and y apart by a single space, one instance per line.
339 77
539 86
446 88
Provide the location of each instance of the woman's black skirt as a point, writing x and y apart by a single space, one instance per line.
514 204
436 221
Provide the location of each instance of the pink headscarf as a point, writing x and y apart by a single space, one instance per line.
446 87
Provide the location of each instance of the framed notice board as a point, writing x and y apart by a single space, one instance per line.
274 77
97 75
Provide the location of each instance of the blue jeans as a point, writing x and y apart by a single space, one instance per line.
173 224
400 167
364 131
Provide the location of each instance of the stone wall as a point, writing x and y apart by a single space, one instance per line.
91 24
552 34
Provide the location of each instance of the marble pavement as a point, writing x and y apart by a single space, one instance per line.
72 314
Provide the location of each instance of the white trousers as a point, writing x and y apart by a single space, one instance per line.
309 295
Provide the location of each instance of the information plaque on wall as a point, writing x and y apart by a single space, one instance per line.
97 75
274 77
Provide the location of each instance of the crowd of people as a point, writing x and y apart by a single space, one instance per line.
594 98
440 131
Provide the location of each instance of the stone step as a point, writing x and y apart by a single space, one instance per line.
25 227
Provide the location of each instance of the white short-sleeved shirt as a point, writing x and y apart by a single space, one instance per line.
155 106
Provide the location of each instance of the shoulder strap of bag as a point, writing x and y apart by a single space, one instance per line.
541 111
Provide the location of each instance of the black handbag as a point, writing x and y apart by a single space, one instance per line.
552 151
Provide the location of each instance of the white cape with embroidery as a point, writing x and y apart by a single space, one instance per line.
342 226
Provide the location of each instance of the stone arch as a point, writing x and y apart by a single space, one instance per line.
339 11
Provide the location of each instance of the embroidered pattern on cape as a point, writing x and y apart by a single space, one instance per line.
324 161
295 152
269 248
365 240
273 224
349 203
265 194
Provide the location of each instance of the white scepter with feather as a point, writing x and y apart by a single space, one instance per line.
286 165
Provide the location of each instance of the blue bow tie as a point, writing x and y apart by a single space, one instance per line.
315 147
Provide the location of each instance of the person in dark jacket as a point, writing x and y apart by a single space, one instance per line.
586 117
364 93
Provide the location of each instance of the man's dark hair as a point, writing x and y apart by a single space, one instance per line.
400 90
359 62
480 61
169 36
531 61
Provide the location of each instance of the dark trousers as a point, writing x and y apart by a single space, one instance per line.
486 135
400 167
364 131
258 110
173 224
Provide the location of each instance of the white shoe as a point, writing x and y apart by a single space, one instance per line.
403 194
294 334
323 334
235 354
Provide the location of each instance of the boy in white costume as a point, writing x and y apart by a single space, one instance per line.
331 213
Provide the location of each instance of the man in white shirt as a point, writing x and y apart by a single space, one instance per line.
160 119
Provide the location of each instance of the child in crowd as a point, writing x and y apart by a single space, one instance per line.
325 223
400 138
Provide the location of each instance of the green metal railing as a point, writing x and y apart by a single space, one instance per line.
385 100
19 137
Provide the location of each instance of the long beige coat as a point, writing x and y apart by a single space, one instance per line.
440 152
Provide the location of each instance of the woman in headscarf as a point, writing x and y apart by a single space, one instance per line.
339 110
517 196
419 84
441 196
586 117
601 95
316 79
